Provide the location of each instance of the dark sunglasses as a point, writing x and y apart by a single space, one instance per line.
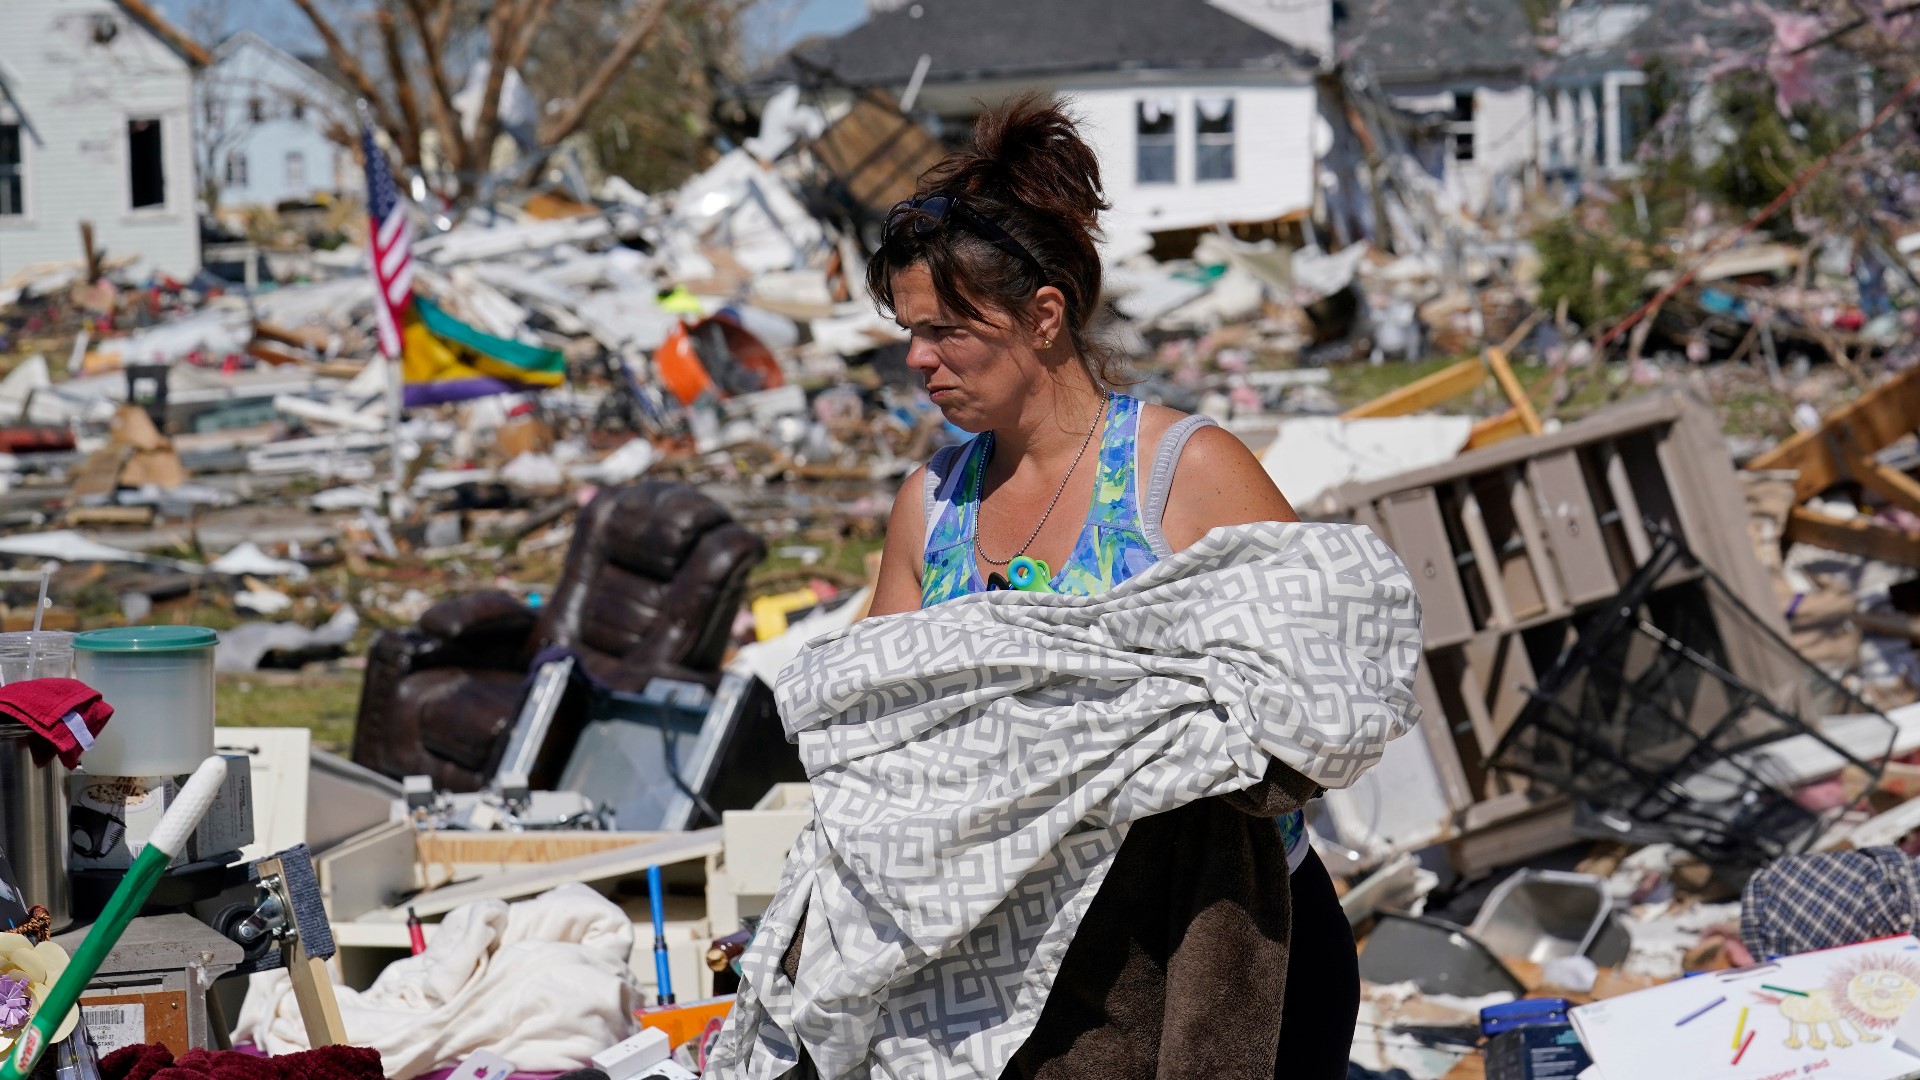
929 212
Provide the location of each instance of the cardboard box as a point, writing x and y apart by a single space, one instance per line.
110 818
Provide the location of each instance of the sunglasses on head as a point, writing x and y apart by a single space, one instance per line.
927 213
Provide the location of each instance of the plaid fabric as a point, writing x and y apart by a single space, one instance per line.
1806 902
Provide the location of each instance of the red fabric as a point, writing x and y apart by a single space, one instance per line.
43 704
156 1062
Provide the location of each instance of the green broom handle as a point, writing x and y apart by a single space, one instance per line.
169 839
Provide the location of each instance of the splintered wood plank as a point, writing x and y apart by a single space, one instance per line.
1497 429
1874 422
1517 394
1857 536
1423 394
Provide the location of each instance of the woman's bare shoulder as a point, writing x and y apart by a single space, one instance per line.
1219 481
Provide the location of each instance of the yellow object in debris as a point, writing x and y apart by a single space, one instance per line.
681 302
770 612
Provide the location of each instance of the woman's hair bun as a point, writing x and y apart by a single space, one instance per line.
1027 153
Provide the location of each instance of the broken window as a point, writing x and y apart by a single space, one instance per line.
237 169
296 169
1460 126
146 164
1213 139
12 172
1153 127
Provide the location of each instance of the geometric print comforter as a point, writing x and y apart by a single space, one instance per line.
974 767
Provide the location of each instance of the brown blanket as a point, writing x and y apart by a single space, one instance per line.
1179 969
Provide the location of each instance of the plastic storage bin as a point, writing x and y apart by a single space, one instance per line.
159 680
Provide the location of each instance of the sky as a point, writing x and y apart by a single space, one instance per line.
772 24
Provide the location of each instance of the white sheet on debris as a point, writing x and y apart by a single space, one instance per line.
20 385
65 545
216 331
1313 455
242 648
750 211
247 558
543 983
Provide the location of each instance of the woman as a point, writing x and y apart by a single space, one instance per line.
994 271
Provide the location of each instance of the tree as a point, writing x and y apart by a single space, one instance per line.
398 56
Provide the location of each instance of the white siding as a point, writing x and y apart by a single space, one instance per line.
1503 135
1273 153
246 69
75 97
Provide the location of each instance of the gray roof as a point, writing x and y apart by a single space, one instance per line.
1432 41
982 39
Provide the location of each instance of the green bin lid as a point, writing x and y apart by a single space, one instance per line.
146 639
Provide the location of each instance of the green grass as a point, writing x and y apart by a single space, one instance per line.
1354 384
325 704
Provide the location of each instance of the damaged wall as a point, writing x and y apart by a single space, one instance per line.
77 73
1273 151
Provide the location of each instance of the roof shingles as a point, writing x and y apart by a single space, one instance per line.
976 39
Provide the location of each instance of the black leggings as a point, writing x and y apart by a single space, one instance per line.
1323 982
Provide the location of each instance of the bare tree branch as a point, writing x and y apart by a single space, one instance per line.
534 20
409 137
350 66
638 32
500 27
445 119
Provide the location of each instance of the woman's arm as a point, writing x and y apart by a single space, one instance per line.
898 588
1219 482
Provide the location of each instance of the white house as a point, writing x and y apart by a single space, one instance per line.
265 121
96 126
1202 111
1594 108
1463 72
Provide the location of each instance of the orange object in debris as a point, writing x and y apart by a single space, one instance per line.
687 376
684 1022
680 367
749 352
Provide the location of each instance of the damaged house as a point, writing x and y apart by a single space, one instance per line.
1203 111
95 127
1461 74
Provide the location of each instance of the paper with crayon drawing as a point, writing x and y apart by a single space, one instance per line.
1840 1014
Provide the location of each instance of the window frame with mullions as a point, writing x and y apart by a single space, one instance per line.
13 175
1165 144
1205 165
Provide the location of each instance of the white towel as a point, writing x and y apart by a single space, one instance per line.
543 983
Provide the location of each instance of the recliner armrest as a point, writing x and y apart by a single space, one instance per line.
490 614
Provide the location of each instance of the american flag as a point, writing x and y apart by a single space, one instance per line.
392 245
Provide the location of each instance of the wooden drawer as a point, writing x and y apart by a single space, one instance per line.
1419 536
1572 527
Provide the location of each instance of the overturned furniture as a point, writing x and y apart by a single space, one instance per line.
1644 722
1512 547
652 582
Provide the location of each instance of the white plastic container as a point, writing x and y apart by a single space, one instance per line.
159 680
35 654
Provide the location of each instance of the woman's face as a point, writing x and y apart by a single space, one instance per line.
974 371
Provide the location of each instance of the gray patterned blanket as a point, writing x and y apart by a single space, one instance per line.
974 767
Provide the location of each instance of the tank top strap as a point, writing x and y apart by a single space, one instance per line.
1116 491
947 567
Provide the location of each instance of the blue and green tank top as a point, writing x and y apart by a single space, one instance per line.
1121 536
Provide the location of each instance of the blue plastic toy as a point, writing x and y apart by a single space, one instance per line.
1030 575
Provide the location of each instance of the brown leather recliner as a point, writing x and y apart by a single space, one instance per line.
653 579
